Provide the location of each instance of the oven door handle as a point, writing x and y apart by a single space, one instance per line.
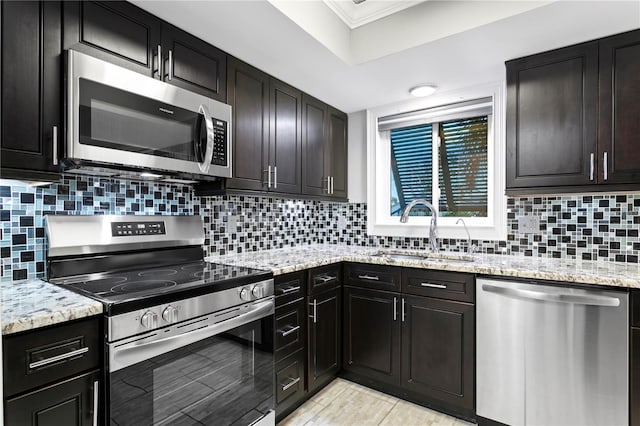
208 153
138 350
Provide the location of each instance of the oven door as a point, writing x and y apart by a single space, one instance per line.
212 370
122 118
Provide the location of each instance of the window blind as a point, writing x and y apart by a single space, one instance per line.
460 110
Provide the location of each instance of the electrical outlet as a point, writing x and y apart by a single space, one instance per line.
528 224
342 223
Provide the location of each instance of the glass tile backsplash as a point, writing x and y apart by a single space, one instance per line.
591 227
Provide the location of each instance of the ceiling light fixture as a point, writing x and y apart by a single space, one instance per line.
423 90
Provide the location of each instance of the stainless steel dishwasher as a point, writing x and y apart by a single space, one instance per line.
550 355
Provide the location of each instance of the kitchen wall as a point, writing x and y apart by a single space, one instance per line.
592 227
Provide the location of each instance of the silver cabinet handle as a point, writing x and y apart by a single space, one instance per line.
605 166
275 177
170 76
433 285
289 290
395 308
159 62
576 299
315 310
592 164
208 153
291 383
57 358
369 277
268 172
288 332
332 182
96 394
55 145
328 188
402 314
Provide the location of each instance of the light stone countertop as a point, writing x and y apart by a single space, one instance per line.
291 259
29 304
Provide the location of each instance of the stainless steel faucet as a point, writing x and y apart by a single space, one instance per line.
471 248
433 226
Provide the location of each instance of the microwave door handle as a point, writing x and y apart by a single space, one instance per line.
208 154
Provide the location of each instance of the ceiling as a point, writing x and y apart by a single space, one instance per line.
454 44
355 13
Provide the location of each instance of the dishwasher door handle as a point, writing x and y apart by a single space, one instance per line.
553 297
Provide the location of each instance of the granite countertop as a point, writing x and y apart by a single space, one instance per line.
29 304
291 259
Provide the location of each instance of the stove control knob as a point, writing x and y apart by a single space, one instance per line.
170 314
245 294
149 320
258 291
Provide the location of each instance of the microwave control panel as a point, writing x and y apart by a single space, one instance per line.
128 229
219 143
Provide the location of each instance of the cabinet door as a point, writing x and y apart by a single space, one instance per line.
285 134
193 64
324 349
114 31
619 124
314 118
31 88
551 118
438 339
249 97
337 152
70 403
372 334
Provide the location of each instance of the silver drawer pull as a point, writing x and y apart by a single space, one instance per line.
369 277
57 358
325 278
288 332
433 285
289 290
291 383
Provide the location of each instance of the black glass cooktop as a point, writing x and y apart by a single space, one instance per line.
128 290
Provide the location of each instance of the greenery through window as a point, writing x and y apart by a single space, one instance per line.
461 187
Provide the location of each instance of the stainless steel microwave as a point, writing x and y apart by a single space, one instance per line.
122 123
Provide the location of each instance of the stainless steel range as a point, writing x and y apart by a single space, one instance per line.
186 342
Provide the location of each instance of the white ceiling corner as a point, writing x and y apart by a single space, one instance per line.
356 15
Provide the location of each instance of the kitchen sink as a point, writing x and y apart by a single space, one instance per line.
424 255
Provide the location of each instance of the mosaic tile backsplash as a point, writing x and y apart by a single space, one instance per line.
591 227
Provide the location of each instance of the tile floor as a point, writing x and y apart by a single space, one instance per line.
346 403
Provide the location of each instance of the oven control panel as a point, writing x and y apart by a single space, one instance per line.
128 229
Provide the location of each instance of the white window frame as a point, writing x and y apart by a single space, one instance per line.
380 221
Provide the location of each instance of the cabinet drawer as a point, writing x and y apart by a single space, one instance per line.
289 287
373 276
290 329
43 356
324 278
290 383
440 284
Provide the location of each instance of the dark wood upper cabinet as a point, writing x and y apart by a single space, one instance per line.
285 134
372 334
117 32
551 118
123 34
619 109
248 92
314 119
337 150
193 64
31 91
438 357
325 344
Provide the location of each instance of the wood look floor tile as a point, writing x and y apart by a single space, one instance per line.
346 403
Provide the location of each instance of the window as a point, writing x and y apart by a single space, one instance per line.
449 154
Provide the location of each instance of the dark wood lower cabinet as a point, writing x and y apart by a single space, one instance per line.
438 338
372 334
69 403
325 349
